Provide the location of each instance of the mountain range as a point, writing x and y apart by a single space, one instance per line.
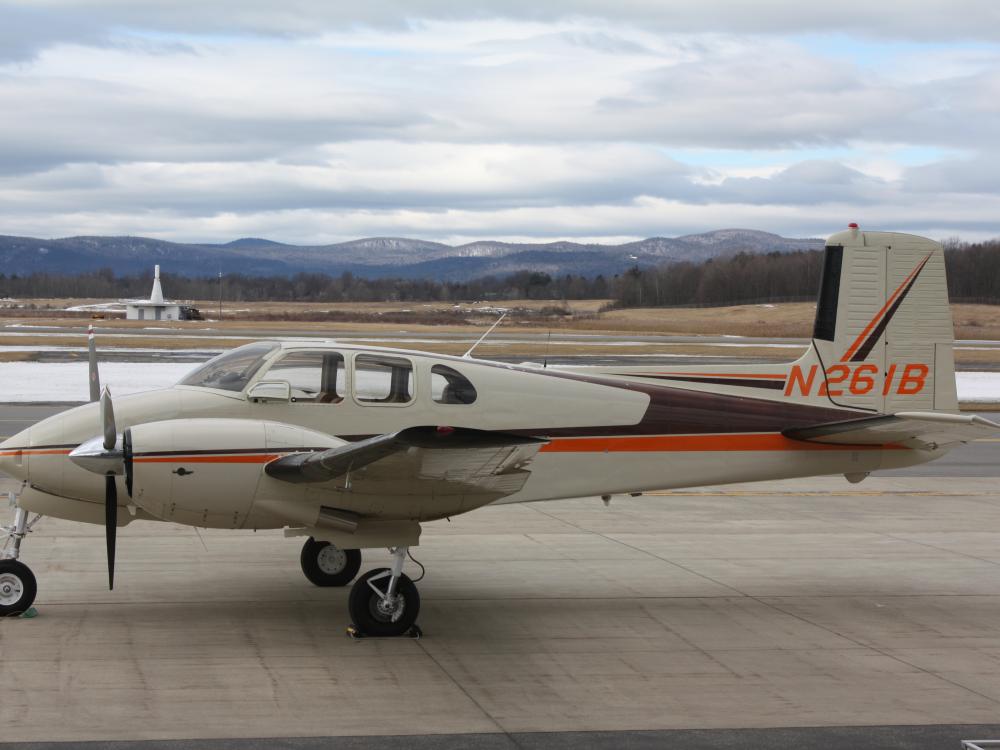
378 257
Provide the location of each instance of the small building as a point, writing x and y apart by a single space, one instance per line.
154 308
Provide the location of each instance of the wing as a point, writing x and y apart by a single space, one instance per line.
913 429
453 460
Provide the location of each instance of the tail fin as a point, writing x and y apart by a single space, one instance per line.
883 338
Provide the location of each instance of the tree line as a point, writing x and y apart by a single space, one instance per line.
304 287
973 276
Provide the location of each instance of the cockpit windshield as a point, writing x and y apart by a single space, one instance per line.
232 370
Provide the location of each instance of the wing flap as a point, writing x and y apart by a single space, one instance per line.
466 459
912 429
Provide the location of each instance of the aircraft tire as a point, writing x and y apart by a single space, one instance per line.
327 565
365 614
17 588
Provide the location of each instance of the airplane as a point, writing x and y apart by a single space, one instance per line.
354 447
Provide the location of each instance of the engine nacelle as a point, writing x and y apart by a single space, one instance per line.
205 472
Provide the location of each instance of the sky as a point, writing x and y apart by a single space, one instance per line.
314 122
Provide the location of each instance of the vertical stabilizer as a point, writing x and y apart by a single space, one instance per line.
883 338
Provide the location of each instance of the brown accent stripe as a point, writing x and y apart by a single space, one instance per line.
777 385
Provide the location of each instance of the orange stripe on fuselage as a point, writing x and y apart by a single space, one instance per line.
43 452
771 441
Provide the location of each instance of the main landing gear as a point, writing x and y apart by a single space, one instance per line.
17 582
327 565
384 602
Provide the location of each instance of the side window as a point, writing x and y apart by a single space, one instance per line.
449 386
314 376
383 380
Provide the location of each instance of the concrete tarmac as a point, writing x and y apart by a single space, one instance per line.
807 613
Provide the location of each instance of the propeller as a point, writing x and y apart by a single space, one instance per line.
95 378
108 455
110 446
111 525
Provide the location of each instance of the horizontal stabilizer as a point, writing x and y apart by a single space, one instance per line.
479 445
914 429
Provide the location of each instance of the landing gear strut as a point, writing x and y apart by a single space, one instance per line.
327 565
17 583
384 602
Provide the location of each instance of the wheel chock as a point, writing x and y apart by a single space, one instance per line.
356 635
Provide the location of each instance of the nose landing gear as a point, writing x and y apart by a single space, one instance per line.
384 602
17 583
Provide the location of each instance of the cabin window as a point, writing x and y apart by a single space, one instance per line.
449 386
383 380
232 370
317 377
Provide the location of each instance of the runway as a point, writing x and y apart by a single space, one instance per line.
798 614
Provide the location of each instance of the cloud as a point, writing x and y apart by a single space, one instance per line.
370 175
26 30
806 183
928 20
323 121
451 193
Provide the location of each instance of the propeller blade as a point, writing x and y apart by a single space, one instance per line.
111 524
108 421
95 378
102 454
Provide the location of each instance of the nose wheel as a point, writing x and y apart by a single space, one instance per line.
17 583
17 588
384 602
327 565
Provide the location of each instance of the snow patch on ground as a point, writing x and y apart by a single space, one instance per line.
978 387
114 349
98 307
67 381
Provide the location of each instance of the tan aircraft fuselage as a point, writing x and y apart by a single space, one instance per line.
602 434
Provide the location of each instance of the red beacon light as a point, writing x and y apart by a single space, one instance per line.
853 225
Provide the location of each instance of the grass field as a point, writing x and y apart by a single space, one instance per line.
790 320
782 320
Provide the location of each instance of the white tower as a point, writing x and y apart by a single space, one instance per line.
157 294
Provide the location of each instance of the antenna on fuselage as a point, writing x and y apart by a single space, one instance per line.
482 338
